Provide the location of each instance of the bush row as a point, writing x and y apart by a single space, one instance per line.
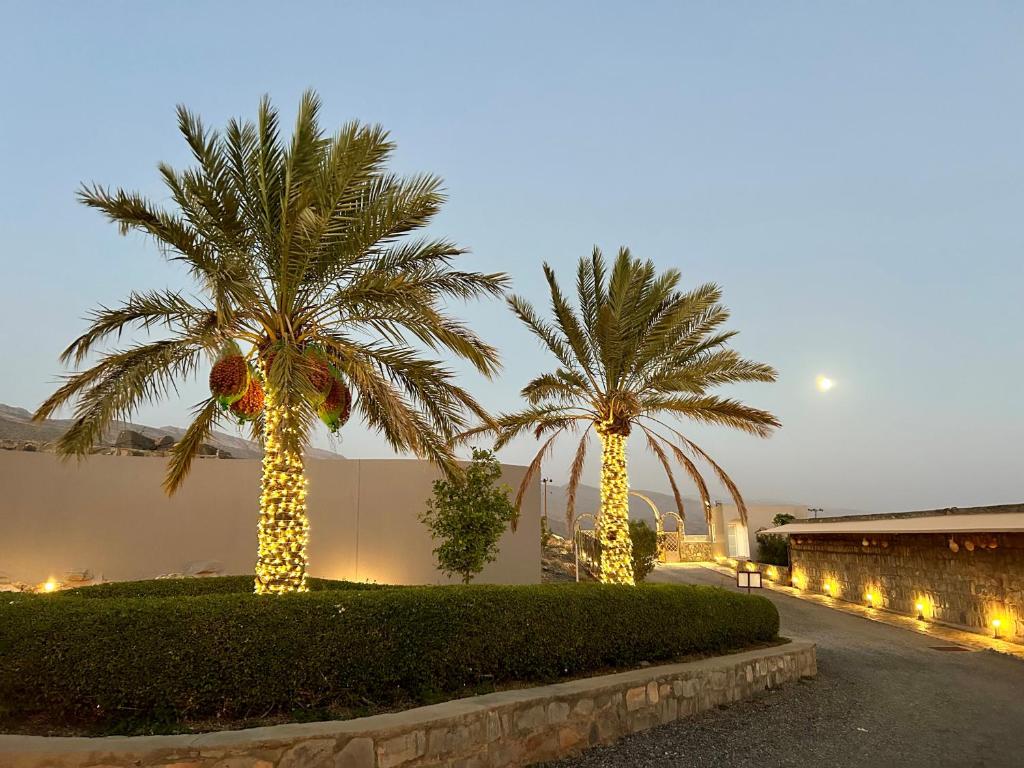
192 587
144 664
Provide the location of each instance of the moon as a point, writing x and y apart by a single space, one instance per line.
824 383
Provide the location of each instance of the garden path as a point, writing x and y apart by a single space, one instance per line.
883 697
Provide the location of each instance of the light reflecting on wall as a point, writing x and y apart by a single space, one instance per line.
799 579
831 587
873 595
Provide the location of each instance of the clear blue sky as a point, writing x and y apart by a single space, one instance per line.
852 174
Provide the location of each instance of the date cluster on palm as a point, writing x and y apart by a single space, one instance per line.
337 406
229 378
236 385
239 387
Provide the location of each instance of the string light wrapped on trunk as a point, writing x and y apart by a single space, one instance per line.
613 525
283 530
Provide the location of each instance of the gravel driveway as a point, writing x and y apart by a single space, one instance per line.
883 697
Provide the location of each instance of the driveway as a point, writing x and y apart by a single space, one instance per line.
883 697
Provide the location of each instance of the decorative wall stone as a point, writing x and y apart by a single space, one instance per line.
778 574
956 583
675 549
497 730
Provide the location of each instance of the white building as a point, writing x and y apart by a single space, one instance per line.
734 539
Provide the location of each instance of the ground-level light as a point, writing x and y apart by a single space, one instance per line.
996 623
920 611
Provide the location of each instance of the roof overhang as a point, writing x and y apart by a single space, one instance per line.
972 523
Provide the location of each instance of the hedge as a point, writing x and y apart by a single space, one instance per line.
191 587
139 665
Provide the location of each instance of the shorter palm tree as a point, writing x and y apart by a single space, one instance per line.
635 351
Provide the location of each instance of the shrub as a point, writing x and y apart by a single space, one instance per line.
645 549
468 513
213 585
144 664
772 548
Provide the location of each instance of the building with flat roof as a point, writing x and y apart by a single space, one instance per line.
957 566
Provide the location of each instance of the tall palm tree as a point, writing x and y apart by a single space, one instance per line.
309 292
635 351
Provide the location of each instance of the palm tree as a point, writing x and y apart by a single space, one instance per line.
635 351
309 291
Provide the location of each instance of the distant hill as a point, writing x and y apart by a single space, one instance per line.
17 424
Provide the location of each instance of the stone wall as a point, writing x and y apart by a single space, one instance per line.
778 574
695 551
688 549
968 580
509 728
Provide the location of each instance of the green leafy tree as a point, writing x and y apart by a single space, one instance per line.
304 271
635 351
782 518
644 550
468 514
773 548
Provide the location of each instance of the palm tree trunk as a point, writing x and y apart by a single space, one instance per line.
613 524
284 527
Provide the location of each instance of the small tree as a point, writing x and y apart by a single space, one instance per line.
772 549
783 518
467 514
645 549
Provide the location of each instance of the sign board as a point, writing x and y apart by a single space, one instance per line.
748 579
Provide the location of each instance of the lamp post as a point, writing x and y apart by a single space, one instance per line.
546 482
815 510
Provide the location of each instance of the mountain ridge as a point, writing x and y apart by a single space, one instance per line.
16 424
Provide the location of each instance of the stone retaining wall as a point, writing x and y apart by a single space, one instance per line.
694 551
779 574
967 579
509 728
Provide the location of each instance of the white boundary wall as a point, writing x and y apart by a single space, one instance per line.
108 514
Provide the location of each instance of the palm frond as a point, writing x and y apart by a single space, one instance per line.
204 419
657 450
142 310
575 475
709 409
531 473
115 387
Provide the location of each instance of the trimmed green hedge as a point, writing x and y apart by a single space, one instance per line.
146 664
214 585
